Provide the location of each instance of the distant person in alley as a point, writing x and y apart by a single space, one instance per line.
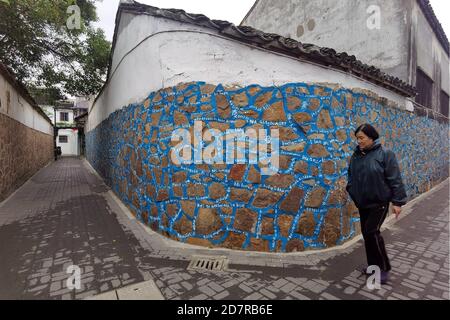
374 181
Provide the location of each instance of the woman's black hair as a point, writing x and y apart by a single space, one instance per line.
369 131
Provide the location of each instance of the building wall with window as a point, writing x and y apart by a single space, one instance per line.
64 117
407 43
68 141
26 134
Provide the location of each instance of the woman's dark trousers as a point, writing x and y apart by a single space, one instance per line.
371 221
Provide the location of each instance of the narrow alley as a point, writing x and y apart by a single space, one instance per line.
65 215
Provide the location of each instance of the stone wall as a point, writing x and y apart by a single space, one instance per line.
303 207
23 151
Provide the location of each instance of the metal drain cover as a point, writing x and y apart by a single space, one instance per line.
208 263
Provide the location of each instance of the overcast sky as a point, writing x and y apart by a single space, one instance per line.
230 10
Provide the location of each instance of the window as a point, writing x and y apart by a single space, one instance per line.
424 86
64 116
444 103
63 139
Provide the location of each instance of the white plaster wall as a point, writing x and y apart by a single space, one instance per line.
71 147
180 55
343 26
20 110
58 115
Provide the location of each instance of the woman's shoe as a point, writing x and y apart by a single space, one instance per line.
384 279
363 270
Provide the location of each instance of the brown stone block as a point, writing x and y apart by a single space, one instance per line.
321 91
208 221
331 229
314 104
318 151
292 202
275 113
177 191
163 195
195 190
335 103
284 162
158 175
216 191
172 209
316 136
306 224
222 127
240 123
254 176
315 198
349 100
259 245
240 100
341 135
266 198
263 99
237 172
245 220
241 195
199 242
151 191
234 241
340 121
188 207
267 226
180 119
253 91
284 224
280 180
346 223
148 128
285 134
188 109
294 103
220 175
223 107
297 148
328 167
154 161
183 226
295 245
301 167
302 117
207 89
203 167
155 118
324 120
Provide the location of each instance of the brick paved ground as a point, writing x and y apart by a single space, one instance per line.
65 215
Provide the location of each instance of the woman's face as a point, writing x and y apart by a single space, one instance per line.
364 141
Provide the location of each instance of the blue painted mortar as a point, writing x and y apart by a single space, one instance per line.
421 146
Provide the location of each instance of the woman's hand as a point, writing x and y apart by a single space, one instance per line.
397 211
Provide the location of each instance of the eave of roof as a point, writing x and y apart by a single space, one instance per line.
20 87
272 42
428 11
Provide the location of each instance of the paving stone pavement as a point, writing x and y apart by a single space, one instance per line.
66 216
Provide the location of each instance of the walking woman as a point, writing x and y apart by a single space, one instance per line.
374 180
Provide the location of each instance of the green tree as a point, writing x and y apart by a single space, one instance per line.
37 44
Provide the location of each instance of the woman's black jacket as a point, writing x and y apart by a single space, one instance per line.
374 178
